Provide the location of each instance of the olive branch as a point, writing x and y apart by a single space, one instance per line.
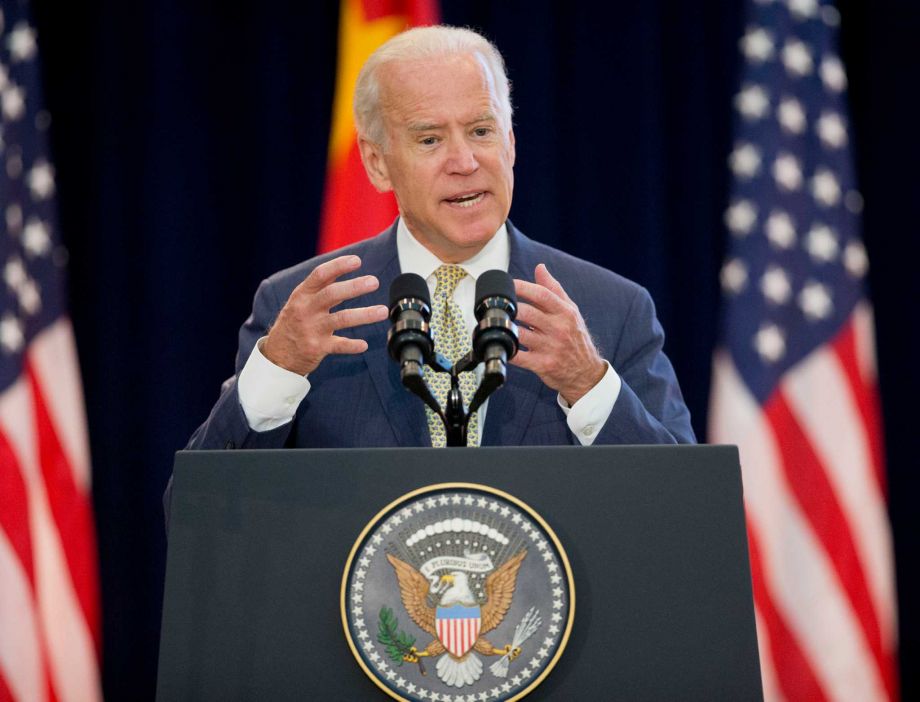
397 643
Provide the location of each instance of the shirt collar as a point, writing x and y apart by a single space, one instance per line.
415 258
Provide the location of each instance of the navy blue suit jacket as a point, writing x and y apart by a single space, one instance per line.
358 401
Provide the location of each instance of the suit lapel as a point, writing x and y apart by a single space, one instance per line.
512 405
404 411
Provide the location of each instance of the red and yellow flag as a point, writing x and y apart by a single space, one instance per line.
352 209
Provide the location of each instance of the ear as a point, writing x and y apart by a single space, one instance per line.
511 144
375 164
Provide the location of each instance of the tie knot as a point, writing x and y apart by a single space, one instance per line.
447 277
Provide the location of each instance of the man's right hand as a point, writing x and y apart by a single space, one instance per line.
303 335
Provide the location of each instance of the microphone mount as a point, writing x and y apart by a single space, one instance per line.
495 341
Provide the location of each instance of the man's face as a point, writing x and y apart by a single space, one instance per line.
449 156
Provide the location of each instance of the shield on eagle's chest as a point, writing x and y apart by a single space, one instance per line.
458 628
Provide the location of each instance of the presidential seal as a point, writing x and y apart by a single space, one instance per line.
457 593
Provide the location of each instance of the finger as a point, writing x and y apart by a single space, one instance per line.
528 339
339 344
523 359
539 296
336 293
532 317
543 277
326 272
345 319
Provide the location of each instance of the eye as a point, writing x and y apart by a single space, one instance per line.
482 131
428 141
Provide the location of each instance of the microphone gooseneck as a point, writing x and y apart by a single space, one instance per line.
495 341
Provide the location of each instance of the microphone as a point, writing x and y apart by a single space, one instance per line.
495 338
409 338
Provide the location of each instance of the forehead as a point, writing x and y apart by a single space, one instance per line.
436 90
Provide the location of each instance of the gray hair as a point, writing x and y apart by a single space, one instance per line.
425 43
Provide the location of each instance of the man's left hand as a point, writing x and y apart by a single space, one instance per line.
559 347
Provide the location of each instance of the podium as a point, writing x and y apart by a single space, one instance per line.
655 535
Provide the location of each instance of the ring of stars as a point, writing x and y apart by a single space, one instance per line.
363 619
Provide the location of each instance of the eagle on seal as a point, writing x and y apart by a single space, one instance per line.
458 620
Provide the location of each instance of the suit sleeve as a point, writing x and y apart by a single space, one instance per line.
649 408
226 427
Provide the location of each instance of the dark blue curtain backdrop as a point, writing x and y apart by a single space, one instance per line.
190 142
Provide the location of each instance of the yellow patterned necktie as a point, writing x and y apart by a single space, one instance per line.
452 340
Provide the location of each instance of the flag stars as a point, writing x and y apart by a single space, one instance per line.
803 9
752 102
832 74
791 115
21 42
734 276
831 130
14 273
745 160
855 260
41 180
775 286
787 172
11 336
740 217
815 301
797 58
821 243
29 298
780 230
770 343
757 45
12 102
825 188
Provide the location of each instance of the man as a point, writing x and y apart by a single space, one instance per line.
433 114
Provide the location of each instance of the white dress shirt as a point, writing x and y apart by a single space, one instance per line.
270 395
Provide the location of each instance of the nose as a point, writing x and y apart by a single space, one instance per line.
461 160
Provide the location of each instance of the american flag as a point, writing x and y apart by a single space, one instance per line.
49 604
794 380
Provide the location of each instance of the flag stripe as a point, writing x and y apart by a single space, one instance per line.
14 509
822 402
70 508
5 694
53 358
71 650
865 395
771 686
797 572
808 481
795 677
20 656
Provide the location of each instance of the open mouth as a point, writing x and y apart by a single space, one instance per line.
467 200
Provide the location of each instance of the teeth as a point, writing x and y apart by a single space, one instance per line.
469 200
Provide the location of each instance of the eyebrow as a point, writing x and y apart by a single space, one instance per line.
432 126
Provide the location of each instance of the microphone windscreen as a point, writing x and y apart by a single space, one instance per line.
409 285
495 283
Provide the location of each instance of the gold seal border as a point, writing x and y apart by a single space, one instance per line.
459 486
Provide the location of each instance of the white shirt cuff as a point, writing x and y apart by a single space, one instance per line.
588 416
269 394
